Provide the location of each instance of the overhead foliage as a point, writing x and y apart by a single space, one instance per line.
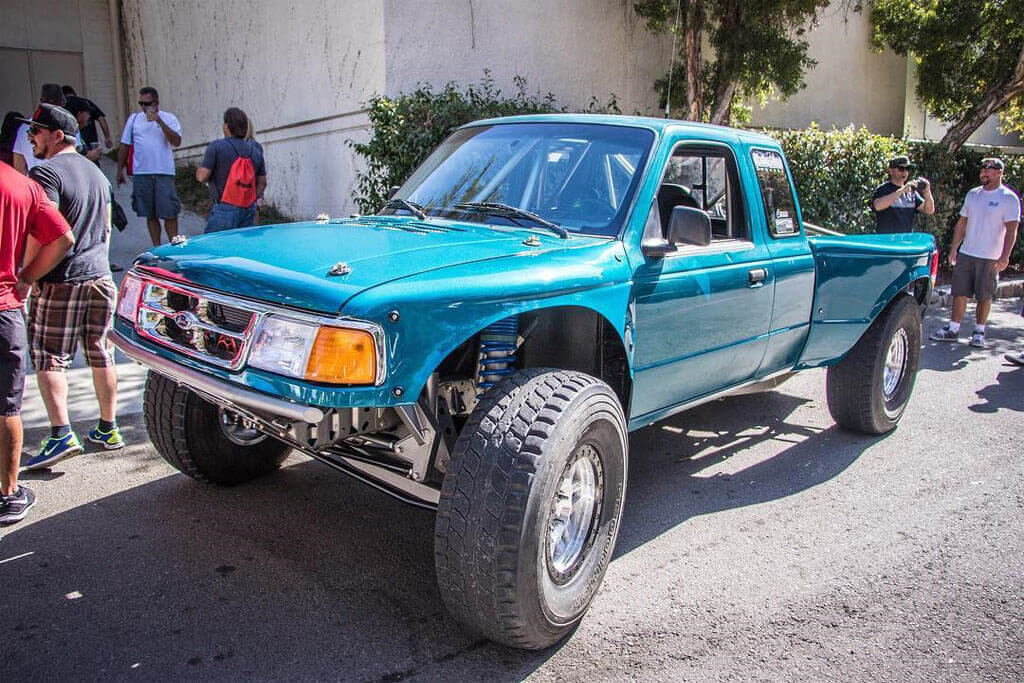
407 128
970 58
758 49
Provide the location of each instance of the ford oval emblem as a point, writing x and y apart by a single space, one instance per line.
186 320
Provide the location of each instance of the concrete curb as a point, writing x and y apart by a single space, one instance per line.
1006 289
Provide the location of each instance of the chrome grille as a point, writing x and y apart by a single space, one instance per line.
203 325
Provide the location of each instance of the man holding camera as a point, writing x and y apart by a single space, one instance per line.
897 201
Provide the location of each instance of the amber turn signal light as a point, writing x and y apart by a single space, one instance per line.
342 356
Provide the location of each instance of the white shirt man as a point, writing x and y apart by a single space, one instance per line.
153 134
985 235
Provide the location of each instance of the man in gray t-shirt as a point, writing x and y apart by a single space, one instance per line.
216 168
75 301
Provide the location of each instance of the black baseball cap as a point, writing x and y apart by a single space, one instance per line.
52 117
901 162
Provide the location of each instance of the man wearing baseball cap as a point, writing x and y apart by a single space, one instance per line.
897 201
984 235
74 301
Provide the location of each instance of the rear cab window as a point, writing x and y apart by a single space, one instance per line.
776 193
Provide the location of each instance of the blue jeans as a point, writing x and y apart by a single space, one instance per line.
227 216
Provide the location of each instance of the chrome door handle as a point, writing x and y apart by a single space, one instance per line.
757 276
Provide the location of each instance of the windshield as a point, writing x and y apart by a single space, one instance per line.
579 176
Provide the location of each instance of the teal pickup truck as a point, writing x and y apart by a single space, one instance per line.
537 289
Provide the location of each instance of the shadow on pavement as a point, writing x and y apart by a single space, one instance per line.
668 483
1007 393
305 574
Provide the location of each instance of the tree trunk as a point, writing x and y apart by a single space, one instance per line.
726 79
994 100
724 95
693 27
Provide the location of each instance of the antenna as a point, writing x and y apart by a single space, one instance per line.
672 62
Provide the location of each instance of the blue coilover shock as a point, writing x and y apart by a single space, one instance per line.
497 353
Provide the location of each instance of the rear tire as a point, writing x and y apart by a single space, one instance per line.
188 433
530 506
868 390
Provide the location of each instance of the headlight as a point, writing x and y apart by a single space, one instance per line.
319 353
128 298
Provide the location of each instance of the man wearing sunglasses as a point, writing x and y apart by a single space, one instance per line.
74 302
152 135
897 201
984 235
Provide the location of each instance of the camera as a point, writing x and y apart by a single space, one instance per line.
921 184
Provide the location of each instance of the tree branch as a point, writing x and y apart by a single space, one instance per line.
995 99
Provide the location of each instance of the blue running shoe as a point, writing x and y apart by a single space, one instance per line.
110 440
53 451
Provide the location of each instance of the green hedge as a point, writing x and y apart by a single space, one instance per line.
837 171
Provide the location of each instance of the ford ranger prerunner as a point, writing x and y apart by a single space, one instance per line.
539 287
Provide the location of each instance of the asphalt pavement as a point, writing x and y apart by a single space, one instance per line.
759 542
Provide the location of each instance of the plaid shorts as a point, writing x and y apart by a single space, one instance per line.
62 312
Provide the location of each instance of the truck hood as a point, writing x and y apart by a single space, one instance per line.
289 264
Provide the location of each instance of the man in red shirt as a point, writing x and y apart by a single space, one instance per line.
31 231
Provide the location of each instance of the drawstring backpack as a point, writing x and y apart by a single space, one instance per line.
240 188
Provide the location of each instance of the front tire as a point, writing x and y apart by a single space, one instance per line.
869 389
198 439
530 506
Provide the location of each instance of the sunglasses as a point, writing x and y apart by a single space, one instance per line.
992 167
146 104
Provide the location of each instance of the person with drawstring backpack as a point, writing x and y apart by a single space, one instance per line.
234 170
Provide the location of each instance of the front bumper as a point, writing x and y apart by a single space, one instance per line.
210 385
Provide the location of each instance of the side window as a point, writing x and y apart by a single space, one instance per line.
776 193
705 180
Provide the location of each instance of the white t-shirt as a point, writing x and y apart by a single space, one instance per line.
151 152
987 212
23 147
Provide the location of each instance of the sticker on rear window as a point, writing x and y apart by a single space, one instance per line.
767 161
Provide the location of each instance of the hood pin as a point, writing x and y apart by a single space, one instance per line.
532 241
340 268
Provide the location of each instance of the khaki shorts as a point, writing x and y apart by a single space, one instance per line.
61 313
973 276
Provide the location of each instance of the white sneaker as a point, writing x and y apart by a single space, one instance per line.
978 340
944 334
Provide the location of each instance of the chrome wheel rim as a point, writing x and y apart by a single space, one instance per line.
237 429
575 510
895 363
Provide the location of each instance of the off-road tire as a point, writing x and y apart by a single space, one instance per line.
186 431
491 547
854 386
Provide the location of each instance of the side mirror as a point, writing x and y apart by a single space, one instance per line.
689 226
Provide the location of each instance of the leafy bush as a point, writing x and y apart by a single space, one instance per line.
408 127
837 171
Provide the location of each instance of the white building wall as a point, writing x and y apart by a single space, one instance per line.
850 85
573 49
301 70
304 71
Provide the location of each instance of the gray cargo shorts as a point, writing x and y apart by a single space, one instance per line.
154 196
975 277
